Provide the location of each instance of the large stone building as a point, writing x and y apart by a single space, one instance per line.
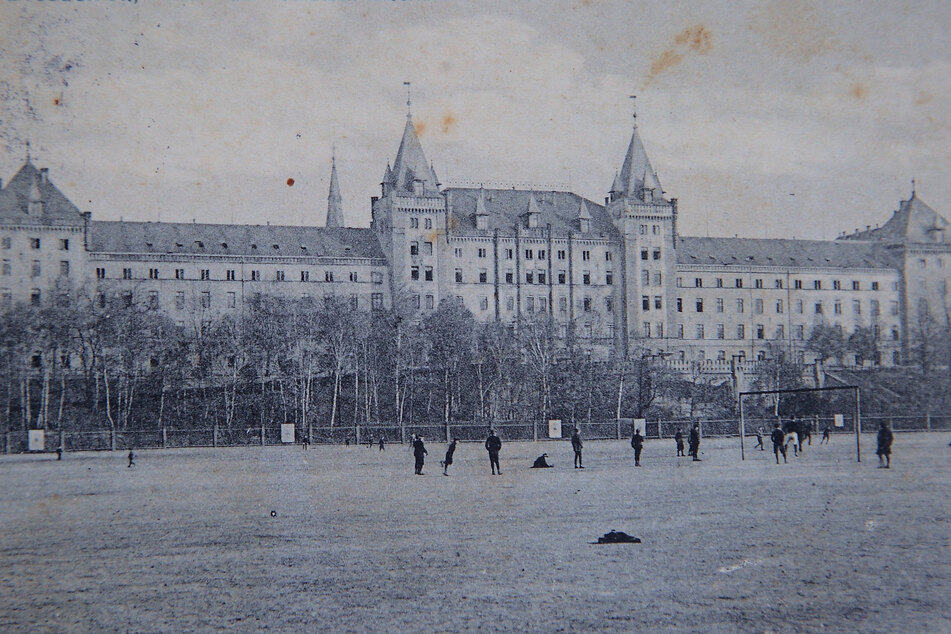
617 273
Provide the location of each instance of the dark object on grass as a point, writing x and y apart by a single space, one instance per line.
618 537
273 513
541 462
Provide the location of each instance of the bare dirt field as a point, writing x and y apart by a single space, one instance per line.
186 540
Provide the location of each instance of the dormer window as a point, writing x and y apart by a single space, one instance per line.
482 222
584 225
201 245
532 221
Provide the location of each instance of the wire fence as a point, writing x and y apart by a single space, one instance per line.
369 434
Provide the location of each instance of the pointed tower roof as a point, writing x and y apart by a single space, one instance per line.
915 221
583 213
616 187
33 185
533 205
388 174
334 201
636 173
411 164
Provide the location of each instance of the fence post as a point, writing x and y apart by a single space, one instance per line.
262 434
62 439
7 437
357 427
618 420
534 429
310 432
928 421
112 440
214 436
660 432
164 437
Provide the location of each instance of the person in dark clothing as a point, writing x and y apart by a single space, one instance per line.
679 439
305 442
779 443
131 457
382 443
419 452
884 452
759 439
576 444
448 461
637 441
825 436
541 462
695 443
493 444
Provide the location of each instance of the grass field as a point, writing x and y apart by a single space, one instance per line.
186 540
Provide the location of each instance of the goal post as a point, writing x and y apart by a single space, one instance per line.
857 412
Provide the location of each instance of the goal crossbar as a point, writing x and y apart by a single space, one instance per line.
858 411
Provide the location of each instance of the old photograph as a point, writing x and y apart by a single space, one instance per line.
446 316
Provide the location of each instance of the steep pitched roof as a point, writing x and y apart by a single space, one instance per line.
411 163
636 172
914 222
744 252
334 200
28 184
237 240
507 208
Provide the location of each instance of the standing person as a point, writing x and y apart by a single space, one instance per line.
306 442
419 452
825 436
884 452
382 443
679 439
131 457
779 443
448 461
637 441
759 439
576 444
695 443
493 444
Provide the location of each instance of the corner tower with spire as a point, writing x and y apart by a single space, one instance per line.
410 219
648 222
334 200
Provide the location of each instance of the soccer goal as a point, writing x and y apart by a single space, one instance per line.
808 394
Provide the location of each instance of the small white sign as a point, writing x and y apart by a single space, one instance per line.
37 440
287 432
639 423
554 428
839 420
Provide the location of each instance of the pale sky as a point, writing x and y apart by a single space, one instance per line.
765 119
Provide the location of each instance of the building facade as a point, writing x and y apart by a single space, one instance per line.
617 274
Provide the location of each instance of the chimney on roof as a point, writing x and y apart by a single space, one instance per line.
44 175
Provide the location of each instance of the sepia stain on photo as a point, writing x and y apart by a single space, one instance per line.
647 295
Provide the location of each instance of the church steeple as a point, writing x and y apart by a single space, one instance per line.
334 200
411 172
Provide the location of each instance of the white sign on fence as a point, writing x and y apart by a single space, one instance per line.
839 420
640 423
554 428
287 432
37 440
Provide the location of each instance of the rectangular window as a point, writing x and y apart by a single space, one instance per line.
127 274
647 329
609 278
376 277
607 256
541 254
376 301
586 304
304 276
645 278
585 255
180 300
739 305
893 308
230 276
414 248
6 298
740 331
721 331
561 254
8 267
35 297
699 304
329 275
179 274
427 248
779 306
757 283
205 274
509 254
656 254
698 282
34 243
738 282
205 299
797 284
563 304
428 223
35 270
760 331
483 303
64 244
836 285
818 308
354 302
483 276
7 242
586 277
680 305
719 282
255 276
800 332
699 331
428 274
354 276
457 252
458 276
529 254
645 254
153 300
430 302
278 275
413 273
817 285
509 277
64 269
658 279
541 277
856 285
645 302
758 306
719 305
857 306
781 332
874 286
680 331
231 299
414 223
561 277
530 304
509 304
100 273
777 283
658 302
873 308
609 304
529 277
